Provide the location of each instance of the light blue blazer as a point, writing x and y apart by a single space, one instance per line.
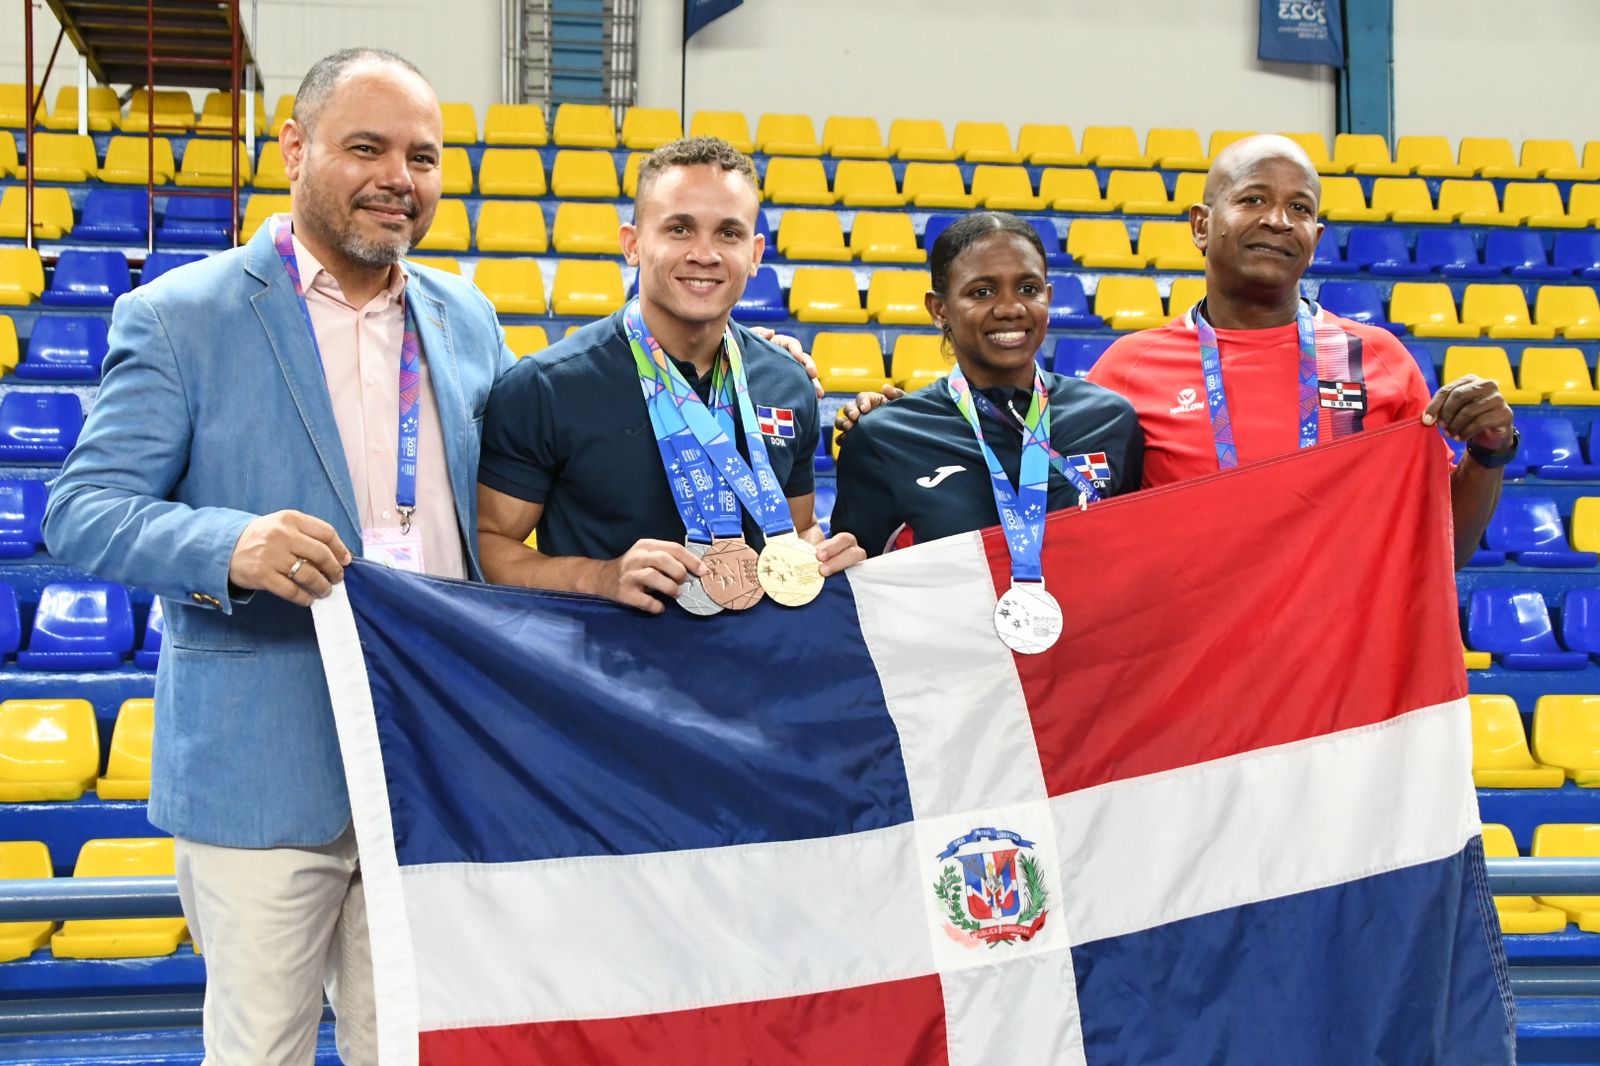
213 410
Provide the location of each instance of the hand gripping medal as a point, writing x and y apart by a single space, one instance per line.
692 596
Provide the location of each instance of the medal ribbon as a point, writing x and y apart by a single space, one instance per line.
704 449
1087 493
405 482
1022 508
1217 396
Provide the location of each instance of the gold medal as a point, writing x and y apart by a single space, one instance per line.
731 574
789 571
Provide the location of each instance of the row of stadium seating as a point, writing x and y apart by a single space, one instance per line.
77 626
51 751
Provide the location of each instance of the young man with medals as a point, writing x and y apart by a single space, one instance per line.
663 453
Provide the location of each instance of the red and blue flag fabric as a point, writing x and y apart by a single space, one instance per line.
1228 817
775 421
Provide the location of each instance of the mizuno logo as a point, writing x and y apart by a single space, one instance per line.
938 476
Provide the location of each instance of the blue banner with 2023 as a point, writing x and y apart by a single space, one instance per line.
1302 31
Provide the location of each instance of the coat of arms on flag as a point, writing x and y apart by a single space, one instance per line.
1342 395
776 421
1224 819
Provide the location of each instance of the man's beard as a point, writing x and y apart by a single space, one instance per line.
368 251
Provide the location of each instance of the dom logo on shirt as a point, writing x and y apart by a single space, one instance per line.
776 422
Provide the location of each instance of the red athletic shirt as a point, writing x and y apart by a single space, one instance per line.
1159 371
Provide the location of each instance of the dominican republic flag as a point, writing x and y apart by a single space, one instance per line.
1092 465
1228 818
775 421
1343 395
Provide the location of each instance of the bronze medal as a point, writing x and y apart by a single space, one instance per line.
731 574
789 571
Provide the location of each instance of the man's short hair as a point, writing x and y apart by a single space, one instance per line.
694 152
318 84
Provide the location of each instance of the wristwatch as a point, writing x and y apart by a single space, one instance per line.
1494 460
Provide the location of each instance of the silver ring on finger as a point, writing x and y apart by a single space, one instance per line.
295 569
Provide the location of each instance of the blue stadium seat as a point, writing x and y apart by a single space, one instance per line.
935 225
149 652
1579 252
764 229
114 215
827 495
1550 449
762 300
1424 360
1450 251
10 622
1521 253
21 511
1326 258
1069 306
1075 355
202 220
1358 301
1580 620
64 348
1054 254
158 263
1529 528
38 427
79 625
822 462
87 279
1515 626
1382 251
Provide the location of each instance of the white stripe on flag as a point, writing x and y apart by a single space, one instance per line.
1268 823
951 686
1023 1011
393 965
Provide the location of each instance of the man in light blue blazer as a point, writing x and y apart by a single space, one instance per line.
244 445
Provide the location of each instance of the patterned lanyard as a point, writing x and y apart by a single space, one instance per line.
712 462
1087 493
1217 396
1022 508
405 482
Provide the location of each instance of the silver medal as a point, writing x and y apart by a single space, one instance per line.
1028 618
691 594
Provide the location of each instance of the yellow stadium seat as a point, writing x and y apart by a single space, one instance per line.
281 113
731 126
8 158
121 938
128 161
984 142
1566 733
630 173
1560 375
1519 914
216 114
1586 524
450 232
1473 203
1486 362
526 340
1186 292
1188 190
13 102
584 126
1366 153
1429 309
919 138
512 226
511 172
826 294
936 185
1502 311
585 175
1538 203
52 212
1003 188
258 209
105 110
812 235
1430 157
127 775
174 112
64 157
853 138
514 286
24 859
455 172
1569 840
460 123
270 173
1588 170
896 297
786 134
1583 202
1073 189
1491 157
1553 159
1476 660
1140 192
848 362
648 128
21 276
1406 200
1128 303
1343 201
587 229
1048 145
518 124
1500 756
1169 246
866 183
587 287
1571 310
797 181
1102 244
10 351
884 237
1316 146
1173 148
207 163
49 749
1113 146
918 360
1220 139
447 263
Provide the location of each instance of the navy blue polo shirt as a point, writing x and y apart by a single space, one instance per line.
568 428
912 471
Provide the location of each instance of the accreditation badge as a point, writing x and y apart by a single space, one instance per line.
394 549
